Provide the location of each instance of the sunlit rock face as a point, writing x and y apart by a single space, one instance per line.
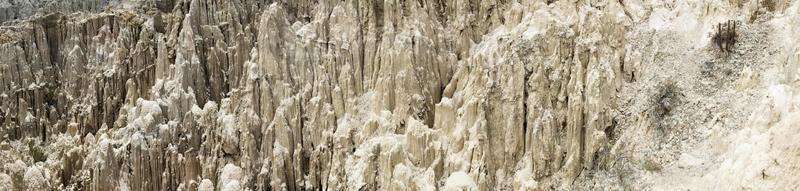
397 95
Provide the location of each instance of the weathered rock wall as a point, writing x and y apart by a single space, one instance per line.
307 95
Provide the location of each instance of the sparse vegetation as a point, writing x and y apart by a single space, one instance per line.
725 37
652 165
769 4
36 152
665 100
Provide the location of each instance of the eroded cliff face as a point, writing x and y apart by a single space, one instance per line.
395 95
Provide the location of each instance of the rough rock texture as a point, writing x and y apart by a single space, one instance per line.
21 9
397 95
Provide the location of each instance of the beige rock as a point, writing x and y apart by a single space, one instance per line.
382 95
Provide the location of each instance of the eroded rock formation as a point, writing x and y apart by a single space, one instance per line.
382 95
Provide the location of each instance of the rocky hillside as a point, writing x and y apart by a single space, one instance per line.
399 95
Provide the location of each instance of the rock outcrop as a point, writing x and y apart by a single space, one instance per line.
380 95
